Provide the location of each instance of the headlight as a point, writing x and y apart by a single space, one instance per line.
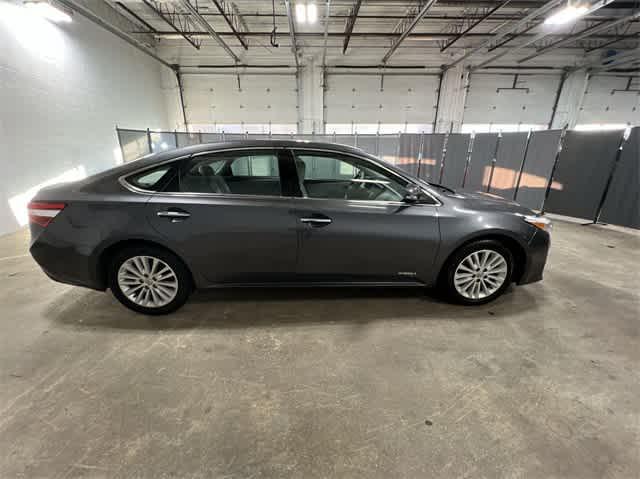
540 222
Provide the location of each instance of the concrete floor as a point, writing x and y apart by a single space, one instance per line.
328 383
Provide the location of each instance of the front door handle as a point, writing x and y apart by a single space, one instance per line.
174 214
316 221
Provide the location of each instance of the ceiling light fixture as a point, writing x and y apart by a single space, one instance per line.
301 13
49 9
312 13
306 13
567 14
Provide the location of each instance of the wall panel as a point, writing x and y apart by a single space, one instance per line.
363 99
491 99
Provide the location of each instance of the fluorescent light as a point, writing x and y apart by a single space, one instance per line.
301 13
566 15
312 13
48 10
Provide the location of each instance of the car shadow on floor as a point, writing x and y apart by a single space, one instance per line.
276 307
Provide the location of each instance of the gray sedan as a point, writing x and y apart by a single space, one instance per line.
278 213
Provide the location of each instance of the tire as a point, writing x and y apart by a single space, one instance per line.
163 291
464 283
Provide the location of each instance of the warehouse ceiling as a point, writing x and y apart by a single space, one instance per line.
429 34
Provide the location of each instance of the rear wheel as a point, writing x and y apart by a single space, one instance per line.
149 280
478 272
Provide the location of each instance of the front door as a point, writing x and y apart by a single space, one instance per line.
228 216
353 225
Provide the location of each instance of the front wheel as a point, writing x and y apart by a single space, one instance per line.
149 280
478 272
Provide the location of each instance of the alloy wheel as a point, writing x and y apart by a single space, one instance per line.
147 281
480 274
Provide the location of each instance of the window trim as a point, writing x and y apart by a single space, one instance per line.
436 200
290 152
181 159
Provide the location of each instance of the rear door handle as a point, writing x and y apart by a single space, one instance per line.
316 221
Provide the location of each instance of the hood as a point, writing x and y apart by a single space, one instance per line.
489 202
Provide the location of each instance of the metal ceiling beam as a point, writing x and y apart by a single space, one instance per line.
508 29
175 22
545 33
136 17
292 31
350 24
631 56
513 36
428 4
85 12
474 25
207 26
230 17
418 36
601 27
615 40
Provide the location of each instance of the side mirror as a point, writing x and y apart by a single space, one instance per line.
413 194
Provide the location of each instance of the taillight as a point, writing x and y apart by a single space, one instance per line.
43 212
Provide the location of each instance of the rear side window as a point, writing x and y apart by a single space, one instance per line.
151 180
253 173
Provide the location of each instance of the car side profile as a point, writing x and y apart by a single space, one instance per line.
278 213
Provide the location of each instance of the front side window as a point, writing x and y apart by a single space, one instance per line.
335 176
241 173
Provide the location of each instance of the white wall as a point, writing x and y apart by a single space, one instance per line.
365 99
491 99
259 98
63 89
605 101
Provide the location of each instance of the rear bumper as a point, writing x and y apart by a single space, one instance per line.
63 262
537 251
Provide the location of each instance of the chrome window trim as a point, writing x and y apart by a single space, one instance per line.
436 200
134 189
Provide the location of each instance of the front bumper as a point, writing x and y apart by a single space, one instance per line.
537 251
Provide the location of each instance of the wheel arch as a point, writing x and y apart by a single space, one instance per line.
508 241
105 256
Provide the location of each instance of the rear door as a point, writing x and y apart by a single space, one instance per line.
227 212
353 225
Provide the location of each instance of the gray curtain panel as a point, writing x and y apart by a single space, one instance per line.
508 163
484 148
388 148
455 159
408 153
368 143
192 138
431 161
622 204
582 173
543 147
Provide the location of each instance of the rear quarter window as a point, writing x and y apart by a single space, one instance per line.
150 180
